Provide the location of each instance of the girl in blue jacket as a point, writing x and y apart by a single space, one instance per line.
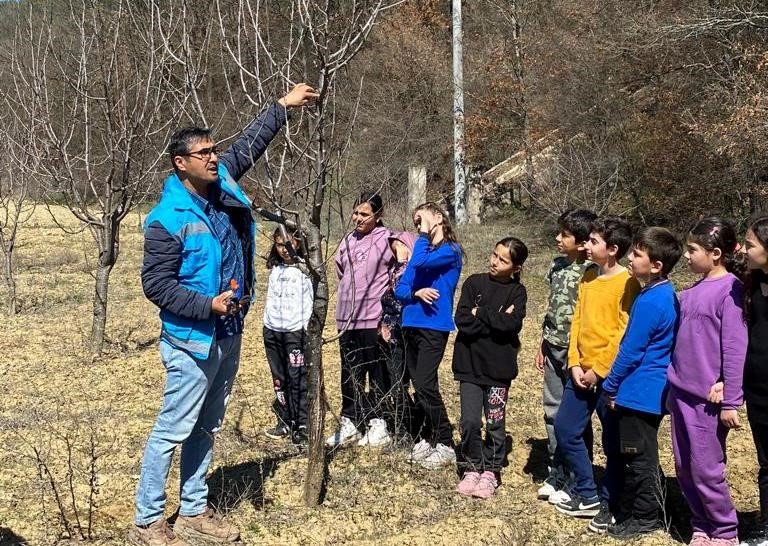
426 290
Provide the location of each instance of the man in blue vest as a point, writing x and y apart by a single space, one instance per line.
199 245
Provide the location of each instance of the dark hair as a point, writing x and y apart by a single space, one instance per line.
614 231
577 222
374 200
661 245
274 257
713 232
759 226
448 233
182 140
518 252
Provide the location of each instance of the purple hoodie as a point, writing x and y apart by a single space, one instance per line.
370 256
711 341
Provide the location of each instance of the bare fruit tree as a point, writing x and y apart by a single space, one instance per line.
274 44
101 83
17 204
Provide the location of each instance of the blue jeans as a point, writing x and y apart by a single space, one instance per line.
195 398
572 418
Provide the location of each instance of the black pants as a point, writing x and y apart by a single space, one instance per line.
423 353
760 435
361 357
400 410
643 491
478 401
286 357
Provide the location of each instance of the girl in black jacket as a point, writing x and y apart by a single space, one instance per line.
756 367
489 318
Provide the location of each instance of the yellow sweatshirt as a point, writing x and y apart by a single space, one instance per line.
599 319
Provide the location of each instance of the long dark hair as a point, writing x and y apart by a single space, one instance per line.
274 257
518 252
759 226
714 232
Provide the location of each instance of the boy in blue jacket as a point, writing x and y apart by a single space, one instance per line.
636 386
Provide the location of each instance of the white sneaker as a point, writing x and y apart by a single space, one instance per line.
545 491
419 452
376 435
347 433
441 455
559 496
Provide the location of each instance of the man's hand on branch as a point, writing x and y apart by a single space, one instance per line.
301 95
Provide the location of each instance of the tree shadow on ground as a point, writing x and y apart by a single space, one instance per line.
230 486
9 538
676 514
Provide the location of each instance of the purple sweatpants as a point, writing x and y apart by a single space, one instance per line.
698 442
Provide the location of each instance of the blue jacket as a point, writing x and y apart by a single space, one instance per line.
638 376
181 273
430 267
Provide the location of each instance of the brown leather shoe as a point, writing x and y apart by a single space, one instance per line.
155 534
208 526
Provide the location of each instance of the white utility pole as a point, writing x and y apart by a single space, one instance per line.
459 165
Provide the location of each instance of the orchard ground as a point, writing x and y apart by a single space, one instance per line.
65 419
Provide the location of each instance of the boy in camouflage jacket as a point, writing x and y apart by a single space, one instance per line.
552 360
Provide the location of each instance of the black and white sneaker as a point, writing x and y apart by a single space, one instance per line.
632 528
278 432
602 520
299 437
580 507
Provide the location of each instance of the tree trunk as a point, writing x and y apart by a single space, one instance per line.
314 480
519 70
108 243
100 308
10 279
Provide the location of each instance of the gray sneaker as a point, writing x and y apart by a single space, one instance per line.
419 452
441 455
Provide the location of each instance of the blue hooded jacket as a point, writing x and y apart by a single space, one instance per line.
181 273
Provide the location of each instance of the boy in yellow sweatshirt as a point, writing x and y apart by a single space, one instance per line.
599 320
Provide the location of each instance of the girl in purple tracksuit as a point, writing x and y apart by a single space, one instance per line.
362 265
710 348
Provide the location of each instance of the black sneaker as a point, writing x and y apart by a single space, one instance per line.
602 520
758 537
580 507
278 432
633 528
299 437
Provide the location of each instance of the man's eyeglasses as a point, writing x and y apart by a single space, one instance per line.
203 154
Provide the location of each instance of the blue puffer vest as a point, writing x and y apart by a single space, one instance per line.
200 267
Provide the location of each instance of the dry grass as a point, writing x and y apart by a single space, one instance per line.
53 395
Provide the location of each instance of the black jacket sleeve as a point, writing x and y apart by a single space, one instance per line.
159 276
502 322
250 146
466 322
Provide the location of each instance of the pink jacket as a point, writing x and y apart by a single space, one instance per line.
362 265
